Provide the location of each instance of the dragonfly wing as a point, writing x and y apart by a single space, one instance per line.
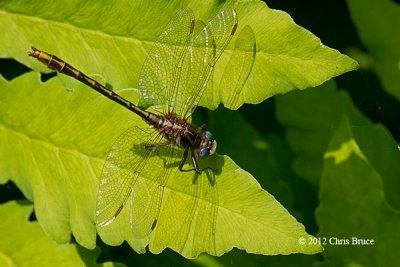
148 192
161 68
206 216
189 216
127 157
238 68
199 62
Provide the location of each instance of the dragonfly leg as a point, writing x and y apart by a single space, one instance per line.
183 160
194 161
196 167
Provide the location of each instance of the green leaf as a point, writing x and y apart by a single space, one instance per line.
50 150
234 211
381 37
54 152
23 243
353 205
267 159
263 163
287 56
309 133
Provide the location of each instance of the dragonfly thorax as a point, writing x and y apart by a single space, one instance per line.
180 132
176 130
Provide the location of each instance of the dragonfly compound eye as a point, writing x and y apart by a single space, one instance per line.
203 153
208 135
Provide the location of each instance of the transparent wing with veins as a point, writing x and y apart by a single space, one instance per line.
199 61
124 163
161 70
148 192
138 167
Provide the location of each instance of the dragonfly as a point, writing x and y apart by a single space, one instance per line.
172 81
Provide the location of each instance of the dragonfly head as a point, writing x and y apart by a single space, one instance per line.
207 145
